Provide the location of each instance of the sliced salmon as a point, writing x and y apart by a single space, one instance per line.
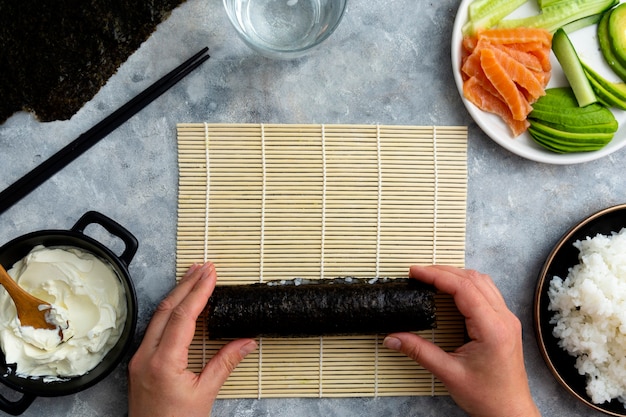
469 43
525 58
501 80
472 68
520 74
526 47
543 55
492 104
523 68
507 67
517 36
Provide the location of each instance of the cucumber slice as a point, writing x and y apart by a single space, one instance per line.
568 58
547 3
617 32
560 14
582 23
605 46
481 8
484 14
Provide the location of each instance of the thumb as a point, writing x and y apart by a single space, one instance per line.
219 368
424 352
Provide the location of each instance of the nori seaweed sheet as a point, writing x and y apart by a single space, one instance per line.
342 306
56 55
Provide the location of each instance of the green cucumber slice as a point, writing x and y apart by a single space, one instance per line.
582 23
560 14
484 14
547 3
570 63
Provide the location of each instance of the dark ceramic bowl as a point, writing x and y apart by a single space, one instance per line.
564 256
75 237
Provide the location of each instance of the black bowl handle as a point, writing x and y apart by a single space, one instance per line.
17 407
112 227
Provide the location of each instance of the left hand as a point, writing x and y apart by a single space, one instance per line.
159 382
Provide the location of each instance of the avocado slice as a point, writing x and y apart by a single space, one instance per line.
611 94
606 45
617 32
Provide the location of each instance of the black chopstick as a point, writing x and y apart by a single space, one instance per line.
22 187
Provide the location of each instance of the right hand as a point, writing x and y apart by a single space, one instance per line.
486 376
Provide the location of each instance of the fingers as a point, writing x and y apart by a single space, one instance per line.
184 302
180 328
424 352
219 368
482 282
487 287
475 294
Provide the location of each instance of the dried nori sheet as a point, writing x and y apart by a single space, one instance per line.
301 308
56 55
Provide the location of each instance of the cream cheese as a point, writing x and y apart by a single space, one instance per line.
88 305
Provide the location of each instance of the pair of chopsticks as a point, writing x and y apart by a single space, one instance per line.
22 187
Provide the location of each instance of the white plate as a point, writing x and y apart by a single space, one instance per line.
586 44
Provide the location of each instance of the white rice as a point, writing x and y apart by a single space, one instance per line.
590 318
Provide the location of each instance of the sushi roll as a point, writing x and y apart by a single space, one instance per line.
308 308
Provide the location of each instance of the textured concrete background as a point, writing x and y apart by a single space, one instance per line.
387 63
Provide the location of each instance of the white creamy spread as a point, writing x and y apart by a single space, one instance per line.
88 305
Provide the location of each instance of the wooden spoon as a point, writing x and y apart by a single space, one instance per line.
28 306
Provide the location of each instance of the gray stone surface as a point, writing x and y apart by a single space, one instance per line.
387 63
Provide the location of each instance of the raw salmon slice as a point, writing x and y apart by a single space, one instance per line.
517 36
506 69
521 75
492 104
472 68
501 80
525 58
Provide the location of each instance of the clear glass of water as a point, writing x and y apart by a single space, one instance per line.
284 29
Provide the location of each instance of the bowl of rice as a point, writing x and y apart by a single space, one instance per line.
580 311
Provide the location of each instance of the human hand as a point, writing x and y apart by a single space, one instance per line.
486 377
159 382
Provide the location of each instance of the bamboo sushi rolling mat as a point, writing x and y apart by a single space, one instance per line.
269 201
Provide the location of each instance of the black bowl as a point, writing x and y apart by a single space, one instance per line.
15 250
564 256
